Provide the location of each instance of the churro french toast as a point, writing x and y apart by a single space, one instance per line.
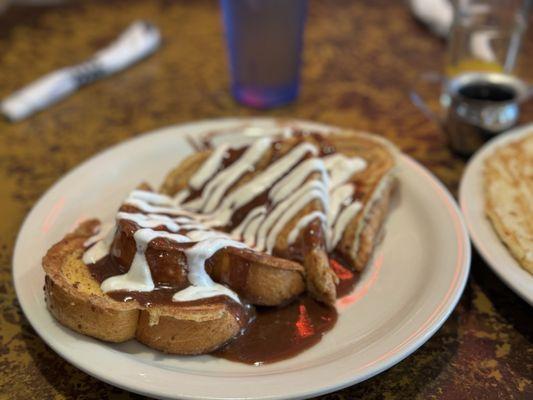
232 227
268 194
299 198
150 276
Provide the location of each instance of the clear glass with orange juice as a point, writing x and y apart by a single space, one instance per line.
486 36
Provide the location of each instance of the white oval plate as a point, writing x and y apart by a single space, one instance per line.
413 285
485 238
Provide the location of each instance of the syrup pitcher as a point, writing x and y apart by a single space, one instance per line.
480 96
475 107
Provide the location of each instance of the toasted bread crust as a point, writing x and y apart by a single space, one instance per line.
267 281
77 302
83 311
374 185
187 334
320 278
371 233
179 177
83 316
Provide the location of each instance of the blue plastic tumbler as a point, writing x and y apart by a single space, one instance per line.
264 45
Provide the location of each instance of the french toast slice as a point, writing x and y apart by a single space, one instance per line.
371 161
375 185
258 278
191 182
275 225
76 300
75 296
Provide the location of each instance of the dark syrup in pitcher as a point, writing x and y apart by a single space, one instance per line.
487 91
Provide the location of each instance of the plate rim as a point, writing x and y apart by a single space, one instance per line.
473 171
410 345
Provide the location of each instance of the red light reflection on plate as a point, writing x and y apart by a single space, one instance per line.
362 290
340 271
51 217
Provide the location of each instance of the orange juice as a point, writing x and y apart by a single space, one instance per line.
472 65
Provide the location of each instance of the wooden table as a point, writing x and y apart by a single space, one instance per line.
361 58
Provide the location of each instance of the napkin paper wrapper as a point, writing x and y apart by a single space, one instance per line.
139 40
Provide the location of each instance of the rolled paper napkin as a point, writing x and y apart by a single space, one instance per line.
436 14
139 40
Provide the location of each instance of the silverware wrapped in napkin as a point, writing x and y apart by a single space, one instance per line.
139 40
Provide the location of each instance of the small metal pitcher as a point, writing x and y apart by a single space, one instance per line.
477 107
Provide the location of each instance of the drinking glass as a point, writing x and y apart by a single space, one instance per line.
264 40
486 35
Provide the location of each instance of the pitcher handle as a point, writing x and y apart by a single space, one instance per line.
418 100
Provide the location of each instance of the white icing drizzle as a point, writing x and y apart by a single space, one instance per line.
342 221
209 167
262 181
155 203
218 186
303 222
255 213
183 229
155 220
181 196
289 190
378 193
250 232
200 252
298 176
285 211
337 197
149 199
101 231
290 172
150 220
102 242
202 292
260 229
342 168
146 207
138 277
210 200
342 210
